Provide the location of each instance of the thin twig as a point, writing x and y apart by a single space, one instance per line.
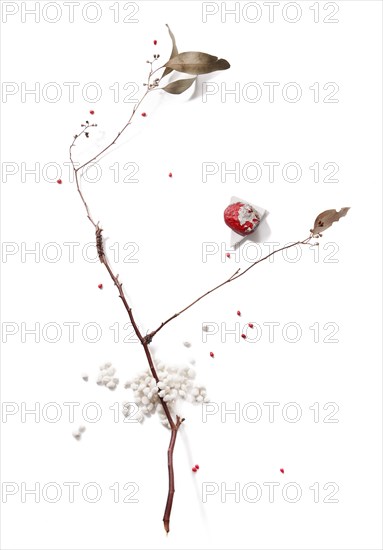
233 277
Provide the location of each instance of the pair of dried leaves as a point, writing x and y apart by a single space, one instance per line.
194 63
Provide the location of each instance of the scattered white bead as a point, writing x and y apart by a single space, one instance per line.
106 378
85 377
187 344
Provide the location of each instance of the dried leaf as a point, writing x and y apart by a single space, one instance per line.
326 219
197 63
173 54
179 86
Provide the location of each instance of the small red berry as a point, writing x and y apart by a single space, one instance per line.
211 354
100 286
196 466
143 114
91 112
194 470
155 42
170 175
59 181
243 336
282 470
227 254
251 325
239 313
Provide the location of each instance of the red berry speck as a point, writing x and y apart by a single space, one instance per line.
196 466
59 181
194 470
100 286
243 336
155 42
143 114
239 313
91 112
251 325
211 354
170 175
282 470
227 254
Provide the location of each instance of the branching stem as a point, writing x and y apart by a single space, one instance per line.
146 340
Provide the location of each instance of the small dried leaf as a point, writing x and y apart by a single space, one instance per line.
173 54
197 63
326 219
179 86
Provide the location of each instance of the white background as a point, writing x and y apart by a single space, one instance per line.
170 219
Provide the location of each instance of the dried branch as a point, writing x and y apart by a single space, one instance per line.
191 63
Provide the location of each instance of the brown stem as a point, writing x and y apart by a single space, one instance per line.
169 502
233 277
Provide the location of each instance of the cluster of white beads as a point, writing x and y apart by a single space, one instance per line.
106 376
174 381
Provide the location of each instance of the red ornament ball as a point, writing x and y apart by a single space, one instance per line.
241 217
